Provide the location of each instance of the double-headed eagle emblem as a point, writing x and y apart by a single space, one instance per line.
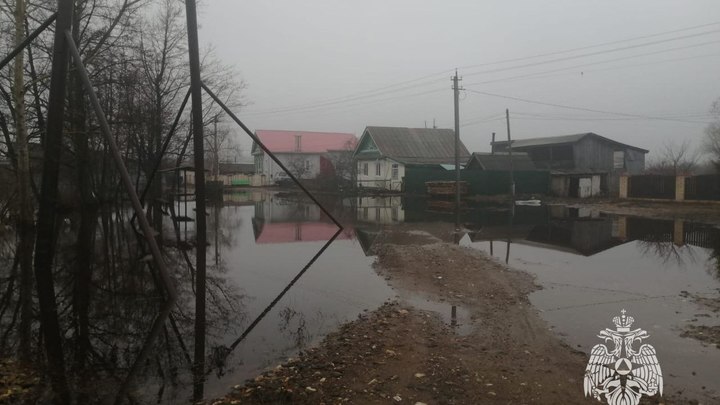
622 376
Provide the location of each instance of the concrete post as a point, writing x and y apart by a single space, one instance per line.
680 188
624 181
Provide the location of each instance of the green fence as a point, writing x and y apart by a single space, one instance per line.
483 182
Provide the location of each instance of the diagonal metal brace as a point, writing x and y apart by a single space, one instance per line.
27 40
142 219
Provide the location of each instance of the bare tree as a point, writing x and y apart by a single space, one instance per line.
711 144
675 159
299 166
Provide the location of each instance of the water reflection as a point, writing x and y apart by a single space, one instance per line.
262 306
591 265
264 303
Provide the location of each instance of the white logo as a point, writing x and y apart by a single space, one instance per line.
623 375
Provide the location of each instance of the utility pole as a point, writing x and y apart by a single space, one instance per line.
512 174
217 152
456 94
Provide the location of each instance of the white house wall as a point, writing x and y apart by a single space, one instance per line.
384 180
273 172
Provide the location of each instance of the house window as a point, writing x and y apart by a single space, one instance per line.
619 159
377 168
307 165
365 213
377 214
395 171
365 169
258 164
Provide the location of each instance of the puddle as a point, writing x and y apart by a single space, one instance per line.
454 316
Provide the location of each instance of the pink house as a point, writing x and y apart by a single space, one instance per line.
306 154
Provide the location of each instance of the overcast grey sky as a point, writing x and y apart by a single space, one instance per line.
333 65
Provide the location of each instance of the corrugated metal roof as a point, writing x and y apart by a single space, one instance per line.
417 145
501 161
556 140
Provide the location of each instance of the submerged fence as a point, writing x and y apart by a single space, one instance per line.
480 182
678 188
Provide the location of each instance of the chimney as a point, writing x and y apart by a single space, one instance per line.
492 145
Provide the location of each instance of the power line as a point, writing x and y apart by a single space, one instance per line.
341 106
427 79
544 73
591 46
624 48
343 100
583 108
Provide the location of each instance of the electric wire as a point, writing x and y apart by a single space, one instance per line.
434 77
544 73
524 100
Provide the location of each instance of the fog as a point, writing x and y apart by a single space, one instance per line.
341 65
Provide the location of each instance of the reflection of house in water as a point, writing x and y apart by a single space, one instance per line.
279 220
571 230
380 210
585 232
576 231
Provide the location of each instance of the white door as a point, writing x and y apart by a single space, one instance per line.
585 187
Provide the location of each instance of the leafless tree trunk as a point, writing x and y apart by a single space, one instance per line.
25 203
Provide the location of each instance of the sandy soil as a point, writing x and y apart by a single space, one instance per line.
400 354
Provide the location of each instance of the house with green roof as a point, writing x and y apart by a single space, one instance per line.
384 153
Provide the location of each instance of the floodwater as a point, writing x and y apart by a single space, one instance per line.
261 242
262 308
593 266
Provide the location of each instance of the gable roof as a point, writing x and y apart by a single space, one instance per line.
279 141
416 145
500 161
558 140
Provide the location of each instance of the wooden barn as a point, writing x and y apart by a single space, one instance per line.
581 165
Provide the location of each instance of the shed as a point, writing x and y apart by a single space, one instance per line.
500 161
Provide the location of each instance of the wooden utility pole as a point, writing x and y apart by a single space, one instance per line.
216 169
512 174
456 94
